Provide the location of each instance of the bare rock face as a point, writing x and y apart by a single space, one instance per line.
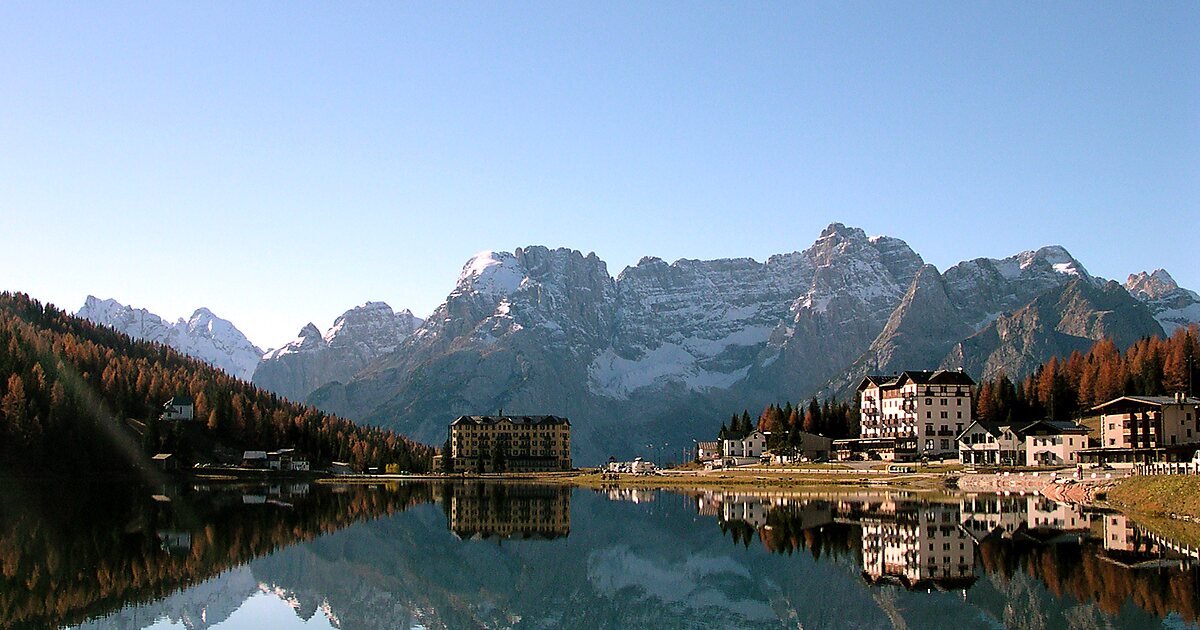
1172 305
984 288
357 337
203 336
1057 323
851 285
645 362
549 331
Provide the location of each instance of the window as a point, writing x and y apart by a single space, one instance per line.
945 444
944 403
943 414
960 415
928 401
928 414
959 400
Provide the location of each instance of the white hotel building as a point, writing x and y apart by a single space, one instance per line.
918 413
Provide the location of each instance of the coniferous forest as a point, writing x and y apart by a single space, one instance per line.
1060 389
1066 389
76 397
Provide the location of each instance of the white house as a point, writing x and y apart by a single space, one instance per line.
1050 443
918 412
708 451
747 450
179 408
1041 443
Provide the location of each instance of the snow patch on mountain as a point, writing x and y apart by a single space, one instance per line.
203 336
493 273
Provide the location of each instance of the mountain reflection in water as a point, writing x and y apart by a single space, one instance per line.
476 554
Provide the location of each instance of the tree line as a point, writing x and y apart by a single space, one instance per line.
69 387
785 424
1065 389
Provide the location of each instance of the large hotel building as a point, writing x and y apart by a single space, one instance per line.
518 443
915 414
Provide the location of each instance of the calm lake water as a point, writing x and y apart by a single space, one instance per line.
464 555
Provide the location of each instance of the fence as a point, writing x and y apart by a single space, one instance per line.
1169 468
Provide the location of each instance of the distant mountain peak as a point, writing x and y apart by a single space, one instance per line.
1172 305
357 337
491 272
1151 286
204 336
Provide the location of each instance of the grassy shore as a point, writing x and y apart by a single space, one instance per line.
805 477
1158 496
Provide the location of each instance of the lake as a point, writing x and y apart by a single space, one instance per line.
497 555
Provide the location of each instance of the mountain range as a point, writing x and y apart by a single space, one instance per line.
656 357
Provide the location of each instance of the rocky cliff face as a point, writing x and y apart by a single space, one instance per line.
203 336
1056 323
940 310
549 331
356 338
1173 306
645 362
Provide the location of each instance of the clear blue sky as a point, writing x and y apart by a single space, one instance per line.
281 162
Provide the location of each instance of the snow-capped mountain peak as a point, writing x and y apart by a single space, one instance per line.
357 337
1172 305
1151 286
203 336
492 273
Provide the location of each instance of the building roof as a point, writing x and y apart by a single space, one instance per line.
254 455
491 420
920 377
1145 401
876 380
179 401
1054 427
1043 427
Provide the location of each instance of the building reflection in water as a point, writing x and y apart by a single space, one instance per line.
492 510
917 545
946 545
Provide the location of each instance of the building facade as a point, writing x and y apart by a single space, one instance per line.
708 451
747 450
510 443
1148 421
1049 443
178 409
1041 443
920 413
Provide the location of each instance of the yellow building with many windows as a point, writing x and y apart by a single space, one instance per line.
510 443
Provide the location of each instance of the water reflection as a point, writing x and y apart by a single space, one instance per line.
945 545
486 510
511 555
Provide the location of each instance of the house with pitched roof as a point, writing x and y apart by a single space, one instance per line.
1146 429
179 408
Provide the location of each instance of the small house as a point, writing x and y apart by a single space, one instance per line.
255 459
179 409
747 450
708 451
165 462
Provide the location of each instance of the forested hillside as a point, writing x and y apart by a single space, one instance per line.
68 386
1060 390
